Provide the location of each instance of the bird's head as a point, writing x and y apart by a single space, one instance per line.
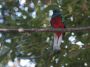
56 12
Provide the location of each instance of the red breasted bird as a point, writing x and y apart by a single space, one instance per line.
56 22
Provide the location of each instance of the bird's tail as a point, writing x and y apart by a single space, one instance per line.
57 42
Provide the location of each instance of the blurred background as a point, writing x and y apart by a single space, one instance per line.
35 49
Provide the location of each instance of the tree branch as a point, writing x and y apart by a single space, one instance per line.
46 29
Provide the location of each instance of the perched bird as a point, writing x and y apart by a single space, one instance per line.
56 23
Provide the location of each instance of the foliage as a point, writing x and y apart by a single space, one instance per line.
76 13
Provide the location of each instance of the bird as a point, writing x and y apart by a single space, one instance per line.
56 23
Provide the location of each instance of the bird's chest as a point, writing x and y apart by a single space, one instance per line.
56 23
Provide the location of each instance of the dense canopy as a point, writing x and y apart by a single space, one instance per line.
37 47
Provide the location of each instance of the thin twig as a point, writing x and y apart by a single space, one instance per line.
46 29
